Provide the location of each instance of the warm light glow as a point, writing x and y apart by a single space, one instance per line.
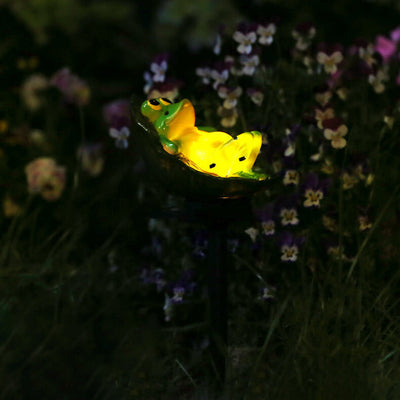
212 152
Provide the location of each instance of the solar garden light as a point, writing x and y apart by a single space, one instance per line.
213 171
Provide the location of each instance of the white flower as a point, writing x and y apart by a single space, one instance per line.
249 64
313 197
204 74
289 253
159 70
253 233
245 41
219 77
266 34
289 216
120 136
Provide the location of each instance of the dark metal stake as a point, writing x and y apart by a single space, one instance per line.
217 290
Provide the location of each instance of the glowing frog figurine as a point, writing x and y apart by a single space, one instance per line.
212 152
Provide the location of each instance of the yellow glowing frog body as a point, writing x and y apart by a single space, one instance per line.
212 152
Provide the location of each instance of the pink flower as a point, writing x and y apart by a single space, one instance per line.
74 89
395 34
46 178
385 47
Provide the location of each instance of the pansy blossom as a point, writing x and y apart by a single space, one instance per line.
330 57
323 113
303 34
245 35
314 190
334 131
230 95
159 67
266 33
289 246
266 215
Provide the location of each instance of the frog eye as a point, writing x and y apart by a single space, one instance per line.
154 104
164 101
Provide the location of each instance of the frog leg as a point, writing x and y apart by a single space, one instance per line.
170 146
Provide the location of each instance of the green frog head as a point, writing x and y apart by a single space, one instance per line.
169 118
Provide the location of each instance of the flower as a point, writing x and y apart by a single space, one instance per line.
334 131
117 113
267 293
314 189
266 216
289 141
385 47
91 158
230 95
289 246
395 34
229 116
266 33
253 233
30 91
220 73
289 216
245 36
256 96
378 80
168 89
291 177
323 95
74 89
249 63
183 286
322 114
364 223
204 73
10 207
120 136
303 34
45 177
159 67
330 57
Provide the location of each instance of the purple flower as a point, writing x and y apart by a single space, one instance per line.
314 189
395 34
74 89
182 287
288 210
117 114
289 246
266 215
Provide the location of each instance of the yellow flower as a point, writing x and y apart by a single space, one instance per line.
330 62
45 177
336 136
10 207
